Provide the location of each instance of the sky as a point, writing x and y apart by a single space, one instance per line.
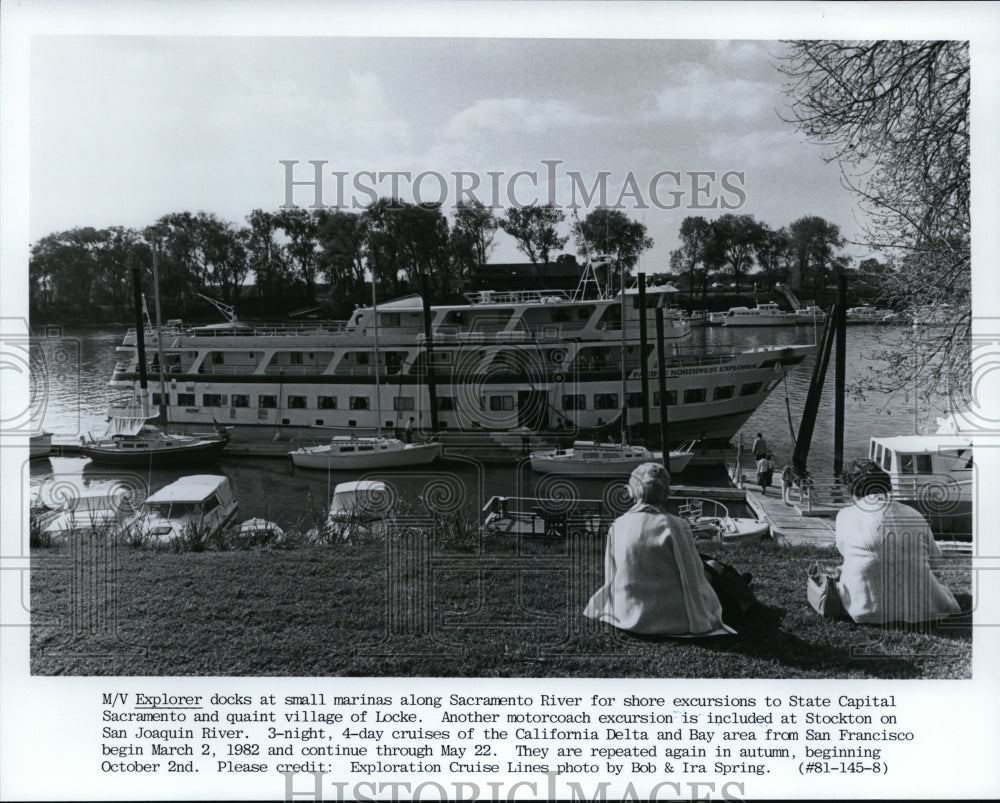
124 129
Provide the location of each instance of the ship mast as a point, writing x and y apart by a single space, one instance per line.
159 336
378 395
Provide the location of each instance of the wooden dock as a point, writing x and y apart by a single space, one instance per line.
788 524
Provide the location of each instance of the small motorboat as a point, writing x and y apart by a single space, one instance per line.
87 510
197 506
710 519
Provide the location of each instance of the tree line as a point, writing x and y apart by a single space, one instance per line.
802 255
84 274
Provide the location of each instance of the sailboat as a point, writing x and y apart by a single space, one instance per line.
352 453
595 459
131 440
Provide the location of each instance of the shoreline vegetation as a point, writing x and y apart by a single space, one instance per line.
443 600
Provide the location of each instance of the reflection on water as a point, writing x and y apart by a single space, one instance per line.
74 396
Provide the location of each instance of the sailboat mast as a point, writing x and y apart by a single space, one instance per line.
140 343
378 395
159 335
621 267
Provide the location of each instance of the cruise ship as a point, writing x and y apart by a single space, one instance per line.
544 363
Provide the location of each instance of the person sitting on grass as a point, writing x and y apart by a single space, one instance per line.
887 549
654 581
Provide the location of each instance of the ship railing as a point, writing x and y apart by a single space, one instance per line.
517 297
815 496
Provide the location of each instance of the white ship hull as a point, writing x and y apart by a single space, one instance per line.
548 367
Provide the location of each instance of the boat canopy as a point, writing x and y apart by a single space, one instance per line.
188 489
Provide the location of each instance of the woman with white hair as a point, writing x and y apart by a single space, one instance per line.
654 580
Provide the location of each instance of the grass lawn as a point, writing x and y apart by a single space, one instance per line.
420 604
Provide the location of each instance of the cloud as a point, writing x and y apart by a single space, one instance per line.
516 116
698 93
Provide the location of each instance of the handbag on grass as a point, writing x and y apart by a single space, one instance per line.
822 593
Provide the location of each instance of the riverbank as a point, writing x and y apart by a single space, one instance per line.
425 604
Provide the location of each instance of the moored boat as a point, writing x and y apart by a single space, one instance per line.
710 519
196 507
548 362
145 445
87 510
933 474
346 453
591 459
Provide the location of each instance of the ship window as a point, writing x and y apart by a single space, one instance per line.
389 319
185 400
359 402
240 400
361 358
218 357
156 400
402 403
327 402
751 388
694 395
366 448
214 400
723 392
887 460
605 401
906 464
297 402
211 503
267 402
501 402
574 401
446 403
262 415
924 464
671 398
295 358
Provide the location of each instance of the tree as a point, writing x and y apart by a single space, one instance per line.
473 232
732 242
611 232
811 244
534 229
341 237
895 116
265 256
299 226
771 252
406 242
695 234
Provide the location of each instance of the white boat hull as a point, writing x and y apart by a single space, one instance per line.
584 462
326 459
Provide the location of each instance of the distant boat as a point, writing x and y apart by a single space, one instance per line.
869 315
766 314
144 445
590 459
41 444
200 505
345 453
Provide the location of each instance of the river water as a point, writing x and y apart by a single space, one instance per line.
70 371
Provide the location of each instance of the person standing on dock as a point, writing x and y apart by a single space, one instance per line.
787 480
765 469
408 432
759 450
